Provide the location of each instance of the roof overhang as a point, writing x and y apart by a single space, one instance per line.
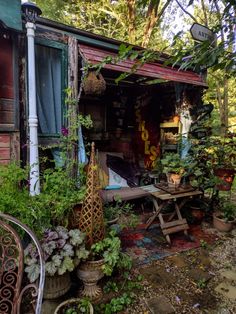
10 14
153 70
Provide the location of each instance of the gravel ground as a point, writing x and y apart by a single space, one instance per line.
176 279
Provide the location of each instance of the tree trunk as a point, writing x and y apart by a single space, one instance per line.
223 105
131 16
153 18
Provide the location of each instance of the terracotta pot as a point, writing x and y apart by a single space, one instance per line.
222 225
173 180
90 272
56 286
71 302
197 214
226 177
176 119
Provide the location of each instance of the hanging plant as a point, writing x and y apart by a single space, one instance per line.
94 84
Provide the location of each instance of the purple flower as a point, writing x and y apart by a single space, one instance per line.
64 131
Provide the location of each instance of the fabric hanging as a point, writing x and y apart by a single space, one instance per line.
48 91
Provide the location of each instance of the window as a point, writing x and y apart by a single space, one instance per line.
50 85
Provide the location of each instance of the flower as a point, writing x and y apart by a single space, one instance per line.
62 249
64 131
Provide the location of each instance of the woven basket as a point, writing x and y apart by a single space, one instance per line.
94 84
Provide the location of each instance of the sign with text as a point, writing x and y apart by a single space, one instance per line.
201 33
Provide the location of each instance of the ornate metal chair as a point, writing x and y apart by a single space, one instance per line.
13 289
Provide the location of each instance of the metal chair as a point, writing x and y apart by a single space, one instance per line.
13 289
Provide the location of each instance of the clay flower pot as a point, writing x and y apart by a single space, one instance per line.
65 305
226 177
173 180
90 272
221 224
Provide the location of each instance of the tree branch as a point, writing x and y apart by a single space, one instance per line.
185 11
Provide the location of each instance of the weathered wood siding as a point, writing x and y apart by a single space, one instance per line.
9 147
6 83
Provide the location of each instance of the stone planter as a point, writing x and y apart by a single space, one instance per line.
90 272
62 307
221 224
56 286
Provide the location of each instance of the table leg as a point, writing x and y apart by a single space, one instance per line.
157 211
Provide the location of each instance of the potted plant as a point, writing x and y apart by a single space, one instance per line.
104 256
222 154
75 306
119 212
224 217
174 168
63 250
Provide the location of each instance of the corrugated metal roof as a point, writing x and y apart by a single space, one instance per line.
152 70
10 14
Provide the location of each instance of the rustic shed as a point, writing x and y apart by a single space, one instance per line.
132 117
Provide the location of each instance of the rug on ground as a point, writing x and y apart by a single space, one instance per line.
145 246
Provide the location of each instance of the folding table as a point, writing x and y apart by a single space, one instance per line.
171 225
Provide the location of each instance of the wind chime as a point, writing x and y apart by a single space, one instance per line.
91 217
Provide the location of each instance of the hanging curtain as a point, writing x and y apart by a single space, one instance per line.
48 91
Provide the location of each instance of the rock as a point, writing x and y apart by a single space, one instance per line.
178 261
227 290
229 274
160 305
49 306
198 274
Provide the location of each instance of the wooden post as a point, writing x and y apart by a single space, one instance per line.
72 98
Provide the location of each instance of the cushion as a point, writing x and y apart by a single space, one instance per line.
122 168
102 159
116 180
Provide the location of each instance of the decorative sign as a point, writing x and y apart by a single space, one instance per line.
148 143
201 33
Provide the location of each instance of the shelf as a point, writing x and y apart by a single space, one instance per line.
169 125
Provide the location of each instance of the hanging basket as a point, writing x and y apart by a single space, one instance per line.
94 84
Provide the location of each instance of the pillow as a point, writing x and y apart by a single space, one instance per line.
122 168
116 180
103 178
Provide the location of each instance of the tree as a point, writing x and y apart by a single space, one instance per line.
135 21
220 59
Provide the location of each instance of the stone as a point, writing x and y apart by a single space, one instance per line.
227 290
158 276
49 306
178 261
198 274
229 274
160 305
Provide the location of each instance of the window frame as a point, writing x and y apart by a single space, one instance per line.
64 78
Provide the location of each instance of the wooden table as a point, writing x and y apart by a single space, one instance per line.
160 199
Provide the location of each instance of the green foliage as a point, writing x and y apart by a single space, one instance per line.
62 250
110 250
202 283
16 201
172 162
227 209
123 293
76 306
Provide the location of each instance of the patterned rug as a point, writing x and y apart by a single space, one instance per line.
145 246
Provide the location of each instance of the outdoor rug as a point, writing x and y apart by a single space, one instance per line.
145 246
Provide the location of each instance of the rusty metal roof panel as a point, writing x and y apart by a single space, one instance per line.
152 70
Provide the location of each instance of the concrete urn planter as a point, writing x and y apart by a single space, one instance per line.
56 286
90 272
